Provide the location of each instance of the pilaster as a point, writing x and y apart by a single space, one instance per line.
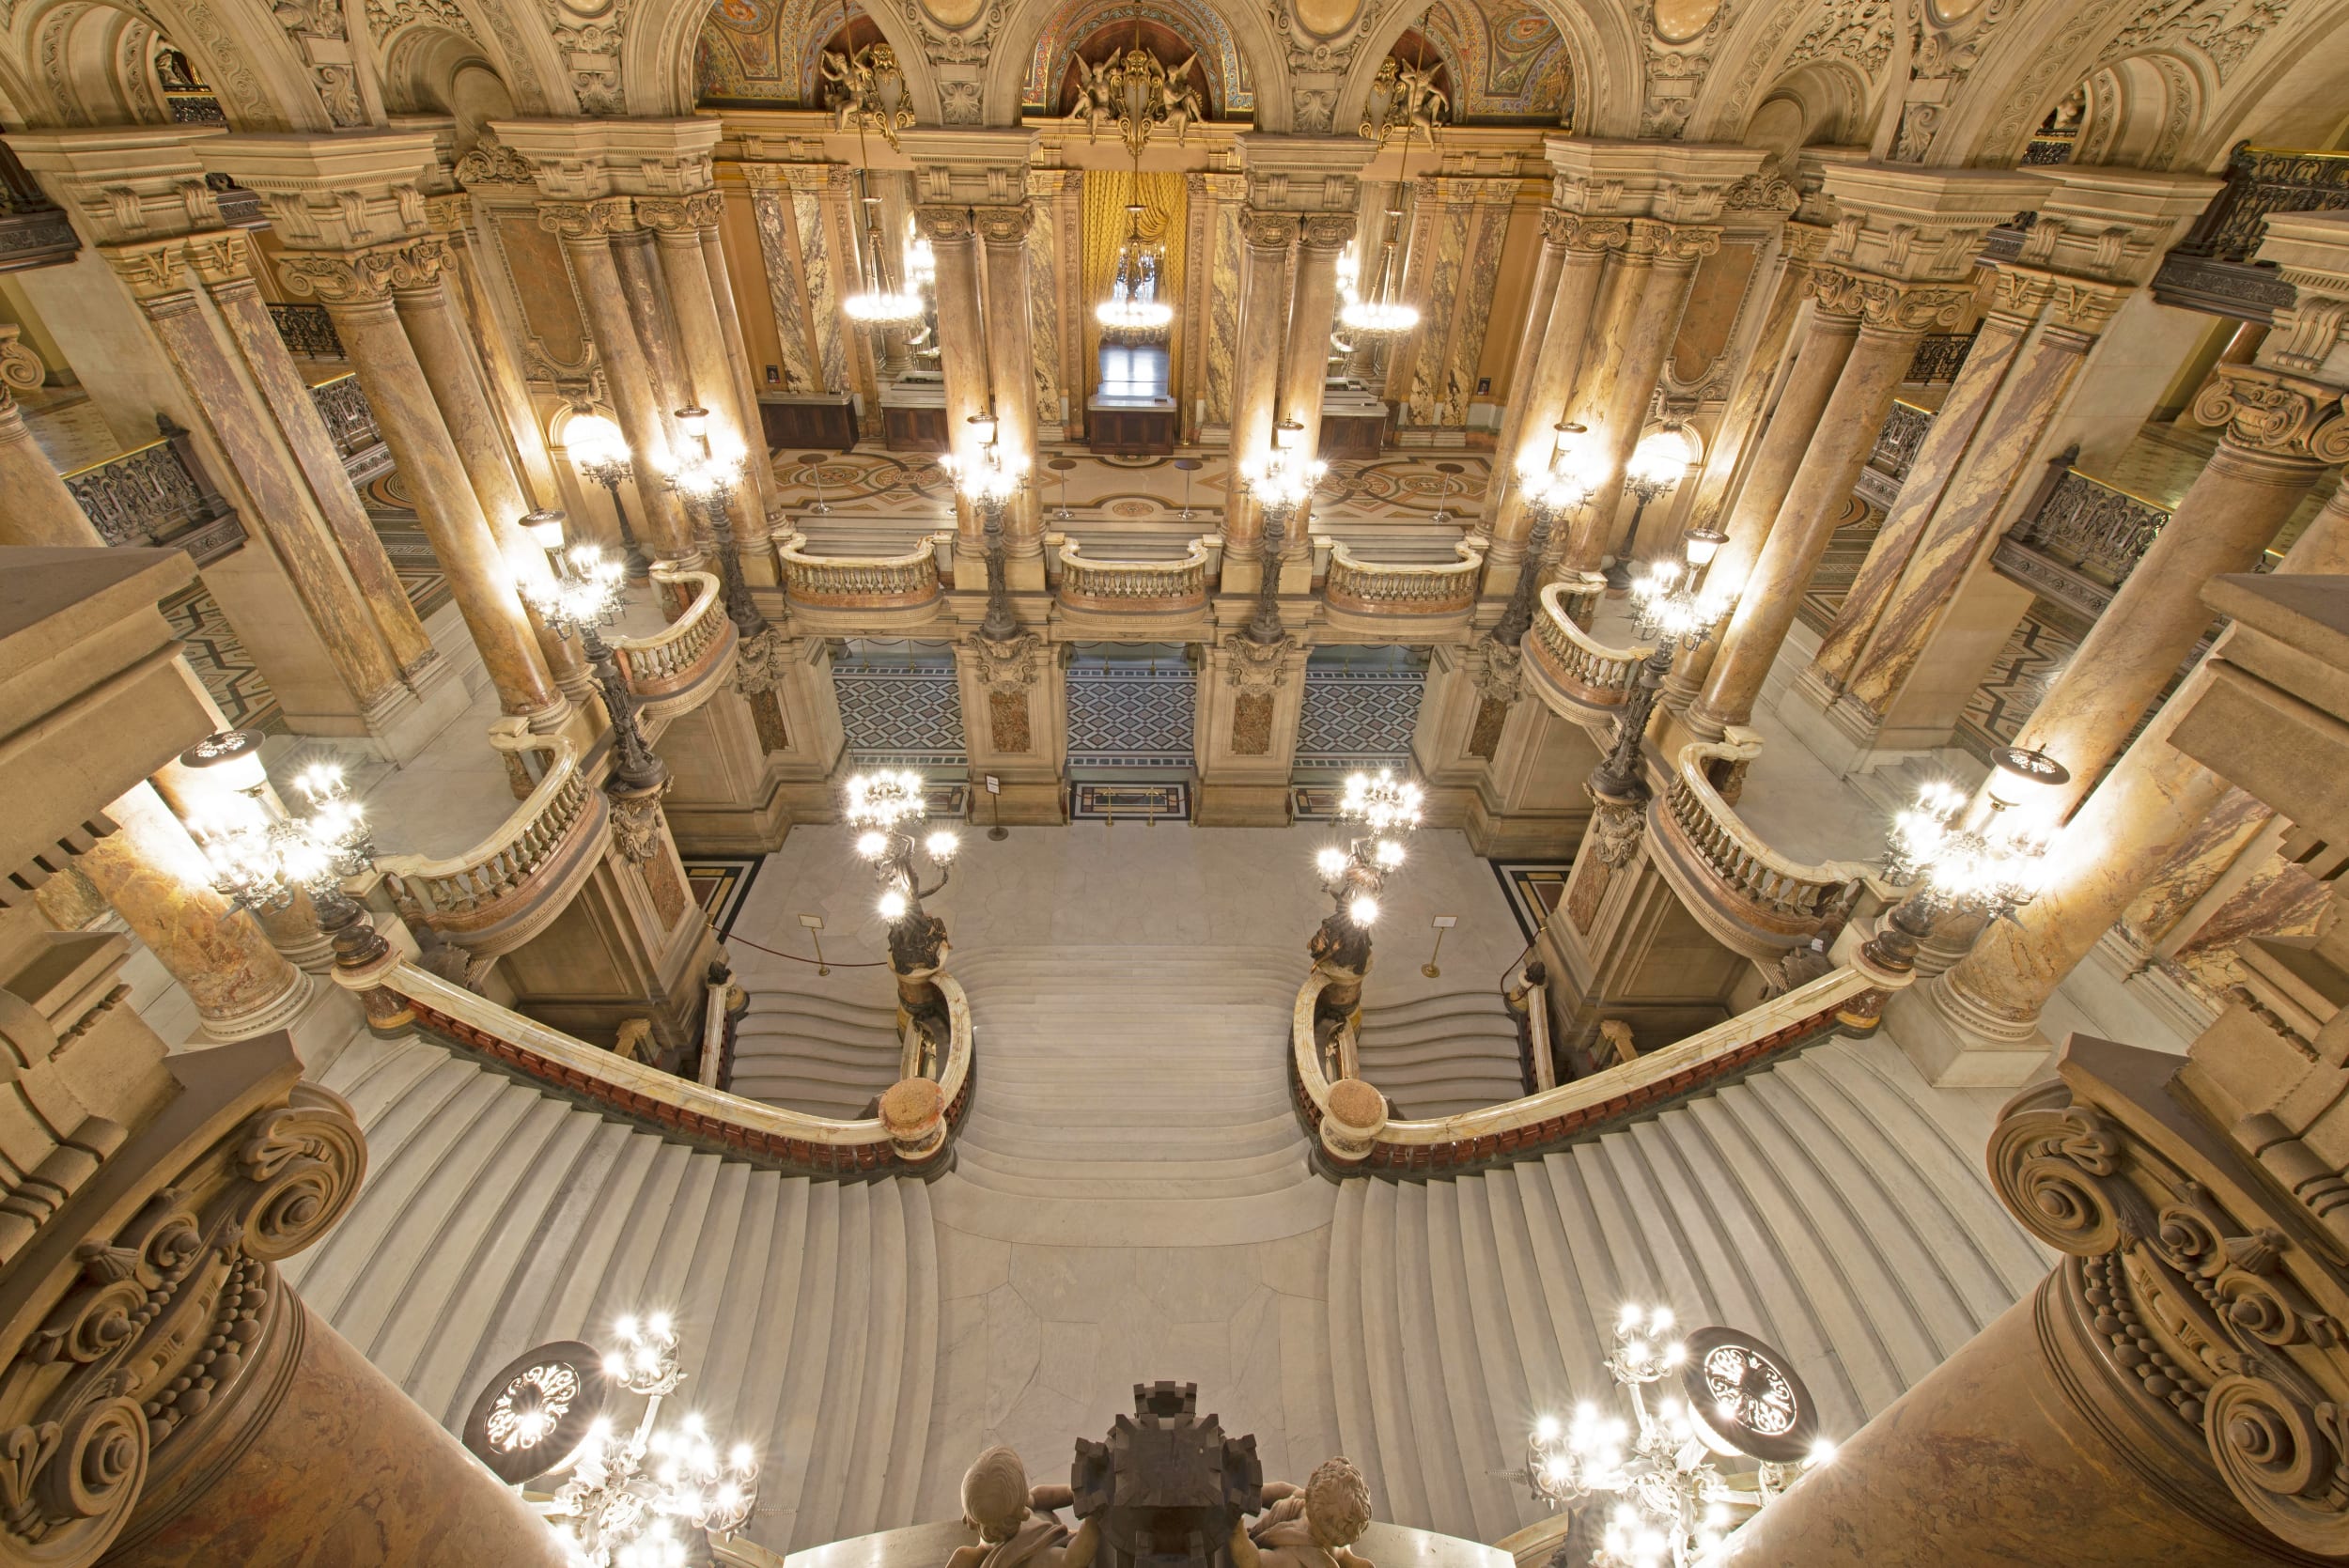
1015 722
1250 696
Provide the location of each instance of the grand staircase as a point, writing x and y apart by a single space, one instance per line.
495 1218
1833 1205
818 1053
1441 1055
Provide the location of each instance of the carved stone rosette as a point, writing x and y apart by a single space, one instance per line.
2281 415
2216 1311
154 1343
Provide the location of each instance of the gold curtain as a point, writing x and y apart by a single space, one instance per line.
1166 223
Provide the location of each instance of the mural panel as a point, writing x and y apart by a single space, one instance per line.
1508 60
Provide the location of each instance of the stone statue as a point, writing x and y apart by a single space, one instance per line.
1308 1529
1015 1521
1425 105
1095 104
849 94
1180 102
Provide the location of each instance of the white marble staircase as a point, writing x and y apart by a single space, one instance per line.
825 1053
494 1218
1439 1055
1833 1205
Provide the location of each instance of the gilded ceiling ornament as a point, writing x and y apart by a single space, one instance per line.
1138 94
1405 100
865 90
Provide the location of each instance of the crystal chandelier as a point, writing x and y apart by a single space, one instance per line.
876 303
1386 808
600 451
1728 1428
871 92
579 596
1133 313
1671 602
1141 96
1384 313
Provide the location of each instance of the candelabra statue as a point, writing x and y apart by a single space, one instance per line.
633 1499
261 858
1657 465
1279 482
884 807
579 598
1730 1427
1378 812
707 474
1552 489
1960 859
989 482
602 453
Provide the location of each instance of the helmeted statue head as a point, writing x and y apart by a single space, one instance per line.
995 1494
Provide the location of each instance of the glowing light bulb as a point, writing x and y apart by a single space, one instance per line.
872 846
892 905
1547 1429
1330 860
942 847
1363 910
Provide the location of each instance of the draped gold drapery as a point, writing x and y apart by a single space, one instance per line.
1165 224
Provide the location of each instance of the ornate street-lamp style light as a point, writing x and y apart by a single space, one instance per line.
602 453
579 598
1672 606
261 858
1279 482
989 482
1378 812
1720 1426
1657 465
707 474
884 807
1553 488
1958 861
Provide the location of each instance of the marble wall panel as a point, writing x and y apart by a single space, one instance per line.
1044 319
1466 352
819 282
1431 380
778 247
1223 292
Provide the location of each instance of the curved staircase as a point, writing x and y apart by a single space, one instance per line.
495 1218
1833 1205
823 1053
1441 1055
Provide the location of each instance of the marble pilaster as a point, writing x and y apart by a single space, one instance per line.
1015 721
829 229
1255 384
1583 245
40 511
452 219
1251 697
1011 356
961 345
1448 206
1217 198
1047 243
772 210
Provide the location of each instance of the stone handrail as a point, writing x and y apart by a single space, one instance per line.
680 653
1720 868
1403 588
854 581
1586 672
1358 1138
519 878
762 1134
1177 584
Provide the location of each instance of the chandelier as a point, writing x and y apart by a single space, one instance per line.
866 88
1133 313
1729 1427
1386 809
1140 96
1384 313
883 804
1954 863
1672 602
628 1500
1279 481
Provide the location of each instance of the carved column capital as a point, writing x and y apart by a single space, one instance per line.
1267 231
1884 302
2076 305
665 215
150 271
1003 225
1674 243
1572 231
588 220
1326 231
944 226
708 208
450 215
1013 664
2278 415
368 274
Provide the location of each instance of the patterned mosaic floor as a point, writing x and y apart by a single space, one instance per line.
220 662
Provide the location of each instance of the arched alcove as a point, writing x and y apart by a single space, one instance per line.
1172 29
1506 60
431 71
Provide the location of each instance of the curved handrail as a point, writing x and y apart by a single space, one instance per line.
1129 584
1515 1130
1585 671
765 1134
1403 587
859 581
529 833
673 657
1744 865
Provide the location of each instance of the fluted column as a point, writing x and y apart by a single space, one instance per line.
1574 252
356 291
1660 261
1892 317
586 228
1011 369
701 339
40 511
155 878
1879 648
961 341
1256 376
451 217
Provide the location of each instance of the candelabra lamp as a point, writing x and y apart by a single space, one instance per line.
1959 858
707 474
579 596
650 1497
1279 482
601 454
1657 465
989 482
1376 814
1720 1424
885 808
261 858
1553 488
1672 606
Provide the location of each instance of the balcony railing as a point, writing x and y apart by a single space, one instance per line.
498 894
34 231
1357 1137
859 582
681 1109
1134 586
1582 678
1904 432
673 670
308 332
1940 357
2081 541
350 423
159 495
1402 588
1754 899
2211 268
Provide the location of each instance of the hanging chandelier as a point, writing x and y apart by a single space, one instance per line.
1383 313
1140 96
876 303
867 91
1133 312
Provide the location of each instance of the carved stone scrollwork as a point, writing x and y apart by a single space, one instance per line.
636 821
1326 231
156 1335
1574 232
588 220
762 663
1615 830
666 216
369 275
1005 225
1499 672
1762 191
1689 243
1885 302
1254 669
1013 664
492 163
944 226
1267 231
2280 415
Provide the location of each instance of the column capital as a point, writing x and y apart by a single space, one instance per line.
2310 251
2111 225
667 215
1326 231
449 215
1886 304
1005 225
1572 231
588 220
2076 305
1674 181
1904 223
125 185
581 160
1267 231
368 274
2276 414
944 226
1689 243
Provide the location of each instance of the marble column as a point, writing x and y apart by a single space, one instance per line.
1585 244
422 300
701 339
1313 312
961 344
1892 317
1541 299
451 217
1944 547
2278 441
1662 259
1978 1023
1734 441
586 228
356 291
1948 442
156 879
1011 375
707 209
1256 377
40 511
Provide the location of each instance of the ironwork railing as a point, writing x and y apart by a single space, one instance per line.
2262 181
2092 527
1896 445
2049 148
34 231
351 425
158 495
308 331
1940 357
